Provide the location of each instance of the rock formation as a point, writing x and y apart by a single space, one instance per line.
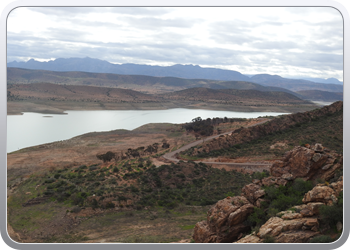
226 220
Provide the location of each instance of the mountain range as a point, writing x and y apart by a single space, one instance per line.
180 71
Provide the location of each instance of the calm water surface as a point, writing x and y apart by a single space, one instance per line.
32 129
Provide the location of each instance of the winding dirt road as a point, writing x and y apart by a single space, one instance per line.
171 155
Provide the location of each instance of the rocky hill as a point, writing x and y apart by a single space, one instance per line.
274 209
280 124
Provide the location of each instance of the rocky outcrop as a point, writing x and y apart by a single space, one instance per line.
326 194
310 163
298 227
226 220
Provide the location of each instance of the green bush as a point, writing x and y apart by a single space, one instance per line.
93 167
50 180
268 239
331 215
321 239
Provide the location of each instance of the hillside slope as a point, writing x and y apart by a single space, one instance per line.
39 97
143 83
323 125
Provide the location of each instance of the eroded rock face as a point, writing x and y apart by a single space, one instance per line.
310 163
203 234
295 236
252 192
224 221
276 226
250 239
325 194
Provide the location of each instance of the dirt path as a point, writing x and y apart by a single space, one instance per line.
171 155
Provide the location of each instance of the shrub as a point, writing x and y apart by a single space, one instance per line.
50 180
122 198
93 167
268 239
76 210
321 239
330 215
106 157
110 205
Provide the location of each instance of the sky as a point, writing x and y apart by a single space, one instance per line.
290 42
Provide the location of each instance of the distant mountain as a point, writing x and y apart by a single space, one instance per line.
180 71
294 84
99 66
321 80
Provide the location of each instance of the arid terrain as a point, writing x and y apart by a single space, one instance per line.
54 98
116 186
38 161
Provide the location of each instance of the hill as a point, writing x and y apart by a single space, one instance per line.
319 95
56 98
143 83
238 96
271 139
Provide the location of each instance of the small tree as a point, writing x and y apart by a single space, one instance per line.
106 157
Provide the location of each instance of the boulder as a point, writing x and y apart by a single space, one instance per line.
250 239
276 181
309 163
321 193
295 236
225 221
203 234
276 226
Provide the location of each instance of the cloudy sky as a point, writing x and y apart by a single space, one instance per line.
290 42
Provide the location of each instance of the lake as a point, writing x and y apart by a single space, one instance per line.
32 129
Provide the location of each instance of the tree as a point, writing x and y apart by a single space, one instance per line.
106 157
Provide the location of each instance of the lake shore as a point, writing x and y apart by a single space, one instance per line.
59 107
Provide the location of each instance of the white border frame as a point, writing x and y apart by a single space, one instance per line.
130 3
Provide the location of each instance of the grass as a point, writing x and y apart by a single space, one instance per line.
187 227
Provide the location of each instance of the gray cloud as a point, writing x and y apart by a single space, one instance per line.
167 40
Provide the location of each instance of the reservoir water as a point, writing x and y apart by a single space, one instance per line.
32 129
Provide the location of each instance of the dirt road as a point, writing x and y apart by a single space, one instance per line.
171 155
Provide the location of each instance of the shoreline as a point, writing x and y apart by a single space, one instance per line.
52 107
